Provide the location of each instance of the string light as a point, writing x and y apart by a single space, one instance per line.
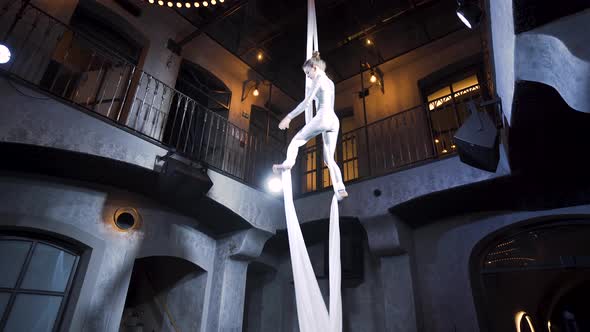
188 5
213 2
179 5
197 5
161 3
205 4
369 41
170 4
260 56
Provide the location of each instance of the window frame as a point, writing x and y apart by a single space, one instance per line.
14 291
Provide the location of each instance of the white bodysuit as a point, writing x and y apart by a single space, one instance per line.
325 122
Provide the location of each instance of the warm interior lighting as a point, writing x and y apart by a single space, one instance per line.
205 4
369 41
255 93
518 320
274 184
4 54
260 56
373 78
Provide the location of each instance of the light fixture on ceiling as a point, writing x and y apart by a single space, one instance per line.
469 13
4 54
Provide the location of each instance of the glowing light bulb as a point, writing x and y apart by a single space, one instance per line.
161 3
275 184
213 2
373 78
197 5
151 1
179 5
260 56
188 5
221 1
170 4
4 54
205 4
436 140
453 146
369 41
255 93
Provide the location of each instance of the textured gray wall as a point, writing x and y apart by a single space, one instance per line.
442 252
85 214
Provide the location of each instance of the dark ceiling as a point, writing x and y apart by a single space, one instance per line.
278 30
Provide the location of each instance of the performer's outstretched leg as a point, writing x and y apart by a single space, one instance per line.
309 131
330 139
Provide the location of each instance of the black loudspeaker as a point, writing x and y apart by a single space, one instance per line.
477 141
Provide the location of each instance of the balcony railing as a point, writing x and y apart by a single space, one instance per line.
406 138
52 56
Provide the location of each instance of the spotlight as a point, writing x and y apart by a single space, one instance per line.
469 13
255 93
274 184
4 54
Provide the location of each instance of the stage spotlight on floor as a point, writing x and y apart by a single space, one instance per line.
4 54
469 13
274 184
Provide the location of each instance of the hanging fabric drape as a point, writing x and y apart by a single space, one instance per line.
312 314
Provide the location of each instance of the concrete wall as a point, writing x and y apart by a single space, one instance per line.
234 72
441 254
401 76
85 214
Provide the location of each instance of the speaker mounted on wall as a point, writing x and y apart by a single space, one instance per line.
477 141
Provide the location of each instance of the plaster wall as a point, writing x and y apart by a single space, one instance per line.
207 53
442 251
85 214
401 76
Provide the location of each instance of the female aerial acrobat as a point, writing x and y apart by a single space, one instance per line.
325 122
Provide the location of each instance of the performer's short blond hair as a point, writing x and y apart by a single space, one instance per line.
315 61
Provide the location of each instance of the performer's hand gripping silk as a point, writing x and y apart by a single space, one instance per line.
325 122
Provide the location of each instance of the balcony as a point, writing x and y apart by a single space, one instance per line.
49 55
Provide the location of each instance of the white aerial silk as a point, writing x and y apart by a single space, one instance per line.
312 313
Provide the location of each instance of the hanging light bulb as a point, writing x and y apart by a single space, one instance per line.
369 41
161 3
213 2
151 1
205 4
188 5
260 56
197 5
4 54
255 93
170 4
179 5
373 78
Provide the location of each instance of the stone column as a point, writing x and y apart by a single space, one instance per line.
227 283
390 240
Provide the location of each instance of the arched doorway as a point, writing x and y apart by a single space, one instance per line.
165 294
520 275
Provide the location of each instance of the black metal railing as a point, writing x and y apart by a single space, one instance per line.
52 56
421 133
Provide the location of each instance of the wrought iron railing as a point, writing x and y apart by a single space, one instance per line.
50 55
422 133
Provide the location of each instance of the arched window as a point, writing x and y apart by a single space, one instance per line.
35 283
525 269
